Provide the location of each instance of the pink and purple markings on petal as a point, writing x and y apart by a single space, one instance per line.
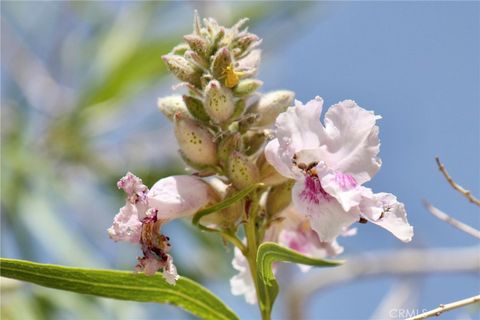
313 191
345 181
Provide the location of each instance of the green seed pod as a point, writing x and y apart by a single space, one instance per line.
172 105
221 61
271 105
246 87
242 171
279 198
195 141
219 103
183 69
196 109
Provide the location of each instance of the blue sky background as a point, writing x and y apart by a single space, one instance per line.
414 63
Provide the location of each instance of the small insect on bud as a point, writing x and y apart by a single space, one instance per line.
196 109
183 69
221 61
219 103
172 105
271 105
279 198
246 87
195 141
242 171
197 44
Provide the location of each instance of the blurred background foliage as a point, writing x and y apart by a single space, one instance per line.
79 85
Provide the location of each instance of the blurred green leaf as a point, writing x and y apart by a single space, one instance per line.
122 285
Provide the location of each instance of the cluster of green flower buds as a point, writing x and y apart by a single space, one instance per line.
222 123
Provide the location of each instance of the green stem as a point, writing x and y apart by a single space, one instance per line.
251 256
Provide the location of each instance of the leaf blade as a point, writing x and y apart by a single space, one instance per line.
122 285
269 252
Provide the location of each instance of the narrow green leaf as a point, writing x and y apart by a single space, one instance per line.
225 203
270 252
122 285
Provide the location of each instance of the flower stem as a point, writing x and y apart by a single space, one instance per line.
251 254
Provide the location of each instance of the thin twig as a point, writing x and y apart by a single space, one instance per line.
454 185
447 307
451 221
375 264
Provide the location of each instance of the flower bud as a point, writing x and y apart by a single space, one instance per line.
179 49
196 109
227 218
252 141
217 38
279 198
195 141
242 171
197 44
246 122
226 146
172 105
183 69
247 87
239 109
231 214
271 105
221 61
196 59
197 25
219 103
268 175
247 42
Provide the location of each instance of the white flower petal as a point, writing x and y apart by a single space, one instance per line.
341 186
280 159
170 272
384 210
299 127
242 283
352 145
126 226
178 196
326 215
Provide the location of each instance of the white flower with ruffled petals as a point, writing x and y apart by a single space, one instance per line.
330 163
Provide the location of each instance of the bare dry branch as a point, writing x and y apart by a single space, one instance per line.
394 263
447 307
454 185
451 221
